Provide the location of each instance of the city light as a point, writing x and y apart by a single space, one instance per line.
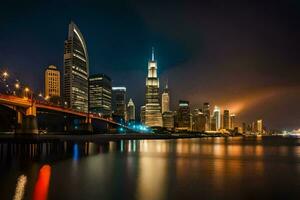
27 89
5 74
42 185
17 85
20 188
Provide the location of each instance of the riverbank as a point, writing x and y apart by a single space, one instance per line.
24 138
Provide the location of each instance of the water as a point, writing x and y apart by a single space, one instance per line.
208 168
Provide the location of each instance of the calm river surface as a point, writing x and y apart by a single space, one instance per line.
207 168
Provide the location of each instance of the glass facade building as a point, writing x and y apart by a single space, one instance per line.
183 115
100 94
119 101
76 70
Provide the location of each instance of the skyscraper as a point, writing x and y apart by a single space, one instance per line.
168 120
206 112
142 114
217 117
232 121
119 101
100 94
153 115
259 126
226 119
165 100
199 120
52 82
183 115
76 70
130 111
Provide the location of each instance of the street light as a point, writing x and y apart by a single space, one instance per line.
27 89
5 74
17 85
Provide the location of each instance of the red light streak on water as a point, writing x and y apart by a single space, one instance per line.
42 185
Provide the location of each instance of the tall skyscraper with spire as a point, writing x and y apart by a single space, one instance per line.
153 116
165 100
76 70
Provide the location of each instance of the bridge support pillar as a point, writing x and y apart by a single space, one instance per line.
19 122
88 124
29 124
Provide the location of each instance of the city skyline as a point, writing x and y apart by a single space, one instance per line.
251 100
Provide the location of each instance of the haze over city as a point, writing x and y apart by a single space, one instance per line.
240 56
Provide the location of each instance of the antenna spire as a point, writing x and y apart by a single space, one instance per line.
152 54
167 83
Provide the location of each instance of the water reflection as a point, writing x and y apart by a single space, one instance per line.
210 168
42 185
20 187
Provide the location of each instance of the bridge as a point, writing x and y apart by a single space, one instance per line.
28 109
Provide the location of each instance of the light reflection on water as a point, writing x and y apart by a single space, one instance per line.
20 188
213 168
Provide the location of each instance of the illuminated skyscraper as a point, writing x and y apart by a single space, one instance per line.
168 120
76 70
130 111
259 126
165 100
142 114
100 94
217 117
52 82
226 119
119 101
153 115
206 112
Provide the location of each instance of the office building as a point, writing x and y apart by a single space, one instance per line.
52 82
142 114
198 120
232 121
130 111
183 115
206 112
100 94
119 102
259 126
76 70
165 100
217 118
226 119
168 120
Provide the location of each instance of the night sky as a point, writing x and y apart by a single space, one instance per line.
241 55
